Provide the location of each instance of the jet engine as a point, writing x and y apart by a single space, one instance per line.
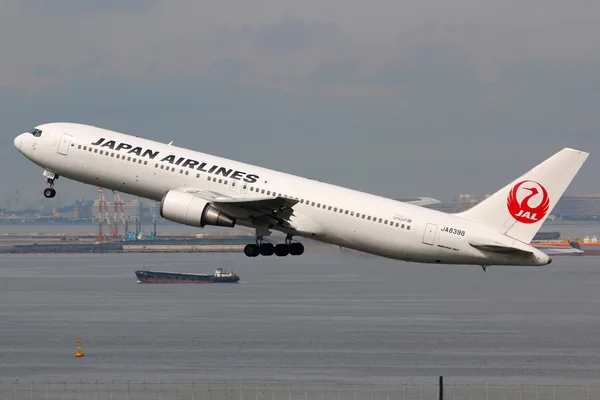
185 208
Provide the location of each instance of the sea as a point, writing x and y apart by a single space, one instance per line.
326 315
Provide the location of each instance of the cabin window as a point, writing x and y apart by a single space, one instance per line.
197 175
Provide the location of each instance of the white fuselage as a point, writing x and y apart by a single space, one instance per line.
325 212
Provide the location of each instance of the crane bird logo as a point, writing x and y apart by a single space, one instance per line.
528 204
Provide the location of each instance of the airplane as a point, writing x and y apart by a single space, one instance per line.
198 189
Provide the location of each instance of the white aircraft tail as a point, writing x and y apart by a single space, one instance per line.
520 208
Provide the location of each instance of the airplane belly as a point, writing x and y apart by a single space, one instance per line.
363 236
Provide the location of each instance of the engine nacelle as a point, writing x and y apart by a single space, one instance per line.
191 210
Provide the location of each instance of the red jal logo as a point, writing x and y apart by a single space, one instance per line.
522 210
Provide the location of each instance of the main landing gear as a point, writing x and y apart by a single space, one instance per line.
268 249
50 178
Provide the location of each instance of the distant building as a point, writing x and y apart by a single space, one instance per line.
461 203
153 209
584 207
80 210
131 209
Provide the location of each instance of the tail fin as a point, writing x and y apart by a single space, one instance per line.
520 208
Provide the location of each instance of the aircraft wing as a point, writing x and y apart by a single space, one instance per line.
267 208
419 201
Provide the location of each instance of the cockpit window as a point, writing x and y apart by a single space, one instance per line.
36 132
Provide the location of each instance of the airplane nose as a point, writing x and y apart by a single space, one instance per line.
18 141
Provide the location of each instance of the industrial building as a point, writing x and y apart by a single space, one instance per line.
131 210
578 208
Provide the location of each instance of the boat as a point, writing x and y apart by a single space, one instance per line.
589 244
220 276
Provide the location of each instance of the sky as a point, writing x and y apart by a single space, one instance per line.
397 98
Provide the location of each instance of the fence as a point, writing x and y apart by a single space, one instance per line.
260 390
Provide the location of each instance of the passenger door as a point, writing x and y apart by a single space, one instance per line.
64 144
429 235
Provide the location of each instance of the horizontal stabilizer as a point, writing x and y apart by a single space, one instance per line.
498 248
556 251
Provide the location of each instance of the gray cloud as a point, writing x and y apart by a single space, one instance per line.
85 6
291 34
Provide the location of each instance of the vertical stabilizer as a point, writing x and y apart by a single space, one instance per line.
520 208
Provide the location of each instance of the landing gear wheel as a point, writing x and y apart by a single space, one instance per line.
49 193
296 249
251 250
266 249
282 250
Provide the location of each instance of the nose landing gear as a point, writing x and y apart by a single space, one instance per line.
50 178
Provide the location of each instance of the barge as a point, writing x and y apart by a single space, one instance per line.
220 276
